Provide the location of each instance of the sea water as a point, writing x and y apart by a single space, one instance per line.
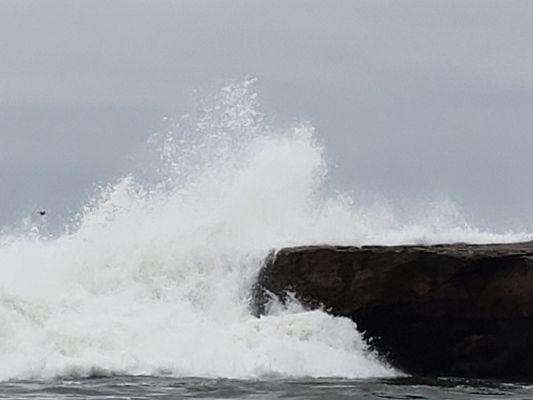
146 293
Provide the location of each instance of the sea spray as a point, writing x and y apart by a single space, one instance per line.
155 275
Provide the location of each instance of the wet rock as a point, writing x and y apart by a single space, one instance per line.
443 310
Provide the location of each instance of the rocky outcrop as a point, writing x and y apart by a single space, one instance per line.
446 310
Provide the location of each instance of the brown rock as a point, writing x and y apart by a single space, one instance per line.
454 310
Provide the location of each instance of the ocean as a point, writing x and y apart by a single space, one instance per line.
128 387
146 292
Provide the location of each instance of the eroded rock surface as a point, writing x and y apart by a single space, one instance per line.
454 310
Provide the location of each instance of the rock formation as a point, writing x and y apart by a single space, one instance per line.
442 310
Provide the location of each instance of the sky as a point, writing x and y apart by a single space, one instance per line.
415 101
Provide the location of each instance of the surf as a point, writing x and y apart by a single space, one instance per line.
154 275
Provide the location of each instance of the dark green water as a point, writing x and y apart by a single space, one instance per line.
127 387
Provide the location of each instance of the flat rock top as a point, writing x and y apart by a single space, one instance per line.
453 249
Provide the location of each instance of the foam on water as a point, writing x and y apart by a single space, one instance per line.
155 275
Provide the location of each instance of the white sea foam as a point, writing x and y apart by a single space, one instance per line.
155 276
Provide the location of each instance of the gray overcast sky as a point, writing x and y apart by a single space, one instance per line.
415 100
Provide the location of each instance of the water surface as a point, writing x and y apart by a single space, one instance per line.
129 387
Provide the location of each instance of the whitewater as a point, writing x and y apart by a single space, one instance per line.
153 277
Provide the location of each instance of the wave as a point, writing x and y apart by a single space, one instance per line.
154 275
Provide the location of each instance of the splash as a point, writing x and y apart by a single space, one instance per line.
154 276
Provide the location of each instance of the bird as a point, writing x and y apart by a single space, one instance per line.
42 213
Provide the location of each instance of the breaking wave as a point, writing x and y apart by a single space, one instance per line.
154 275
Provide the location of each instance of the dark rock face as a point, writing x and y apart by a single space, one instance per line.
446 310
